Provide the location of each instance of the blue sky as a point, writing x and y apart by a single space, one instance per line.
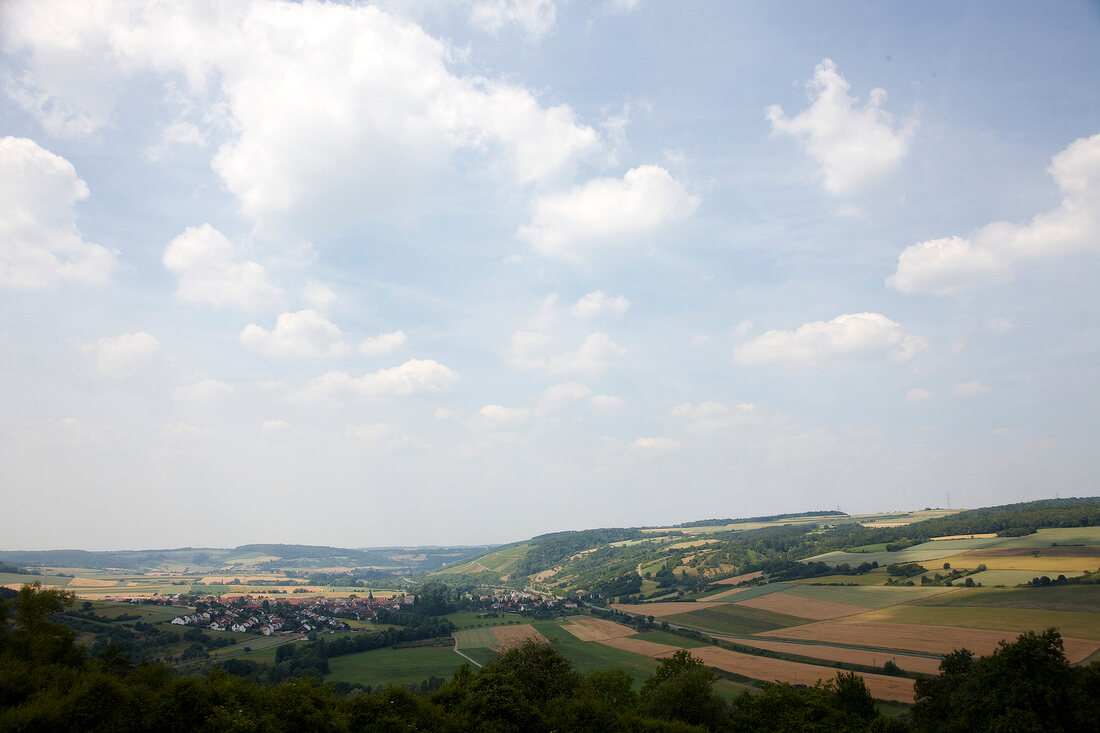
466 272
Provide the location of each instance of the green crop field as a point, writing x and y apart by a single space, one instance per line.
1068 623
469 619
18 579
912 554
663 637
869 596
587 656
1016 577
1078 598
734 619
1061 536
398 666
875 577
475 638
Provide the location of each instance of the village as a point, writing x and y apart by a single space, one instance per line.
246 614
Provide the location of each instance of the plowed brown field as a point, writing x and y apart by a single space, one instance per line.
513 636
907 662
739 578
804 607
660 610
640 646
881 687
918 638
596 629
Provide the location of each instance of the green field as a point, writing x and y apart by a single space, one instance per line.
18 579
1061 536
1068 623
869 596
875 577
1016 577
500 561
475 639
398 666
663 637
469 619
733 619
1076 598
587 656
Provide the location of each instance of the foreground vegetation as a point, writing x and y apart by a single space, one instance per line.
48 682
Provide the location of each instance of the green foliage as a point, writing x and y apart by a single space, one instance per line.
1025 685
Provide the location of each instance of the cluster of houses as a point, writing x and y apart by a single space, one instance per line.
520 601
245 614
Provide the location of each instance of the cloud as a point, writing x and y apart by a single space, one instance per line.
321 130
204 393
40 245
973 388
710 416
416 376
318 296
854 146
556 397
1000 326
655 445
991 255
383 343
607 213
605 402
535 17
442 413
917 394
209 272
822 342
742 329
596 354
597 302
380 434
302 334
122 356
274 426
500 415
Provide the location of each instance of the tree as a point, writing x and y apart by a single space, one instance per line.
682 688
1025 685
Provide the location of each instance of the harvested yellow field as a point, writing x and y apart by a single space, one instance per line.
965 537
803 607
691 543
927 665
1046 560
727 593
91 583
881 687
738 579
539 577
641 646
509 637
918 638
596 629
230 579
660 610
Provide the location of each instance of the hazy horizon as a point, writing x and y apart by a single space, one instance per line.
409 273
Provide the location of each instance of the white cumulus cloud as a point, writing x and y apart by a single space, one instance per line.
560 395
973 388
501 415
204 393
125 355
336 111
655 445
991 254
596 354
821 342
535 17
318 296
598 302
378 434
302 334
607 213
416 376
40 245
383 343
853 145
917 394
209 272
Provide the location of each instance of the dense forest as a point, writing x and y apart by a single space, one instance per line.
47 682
